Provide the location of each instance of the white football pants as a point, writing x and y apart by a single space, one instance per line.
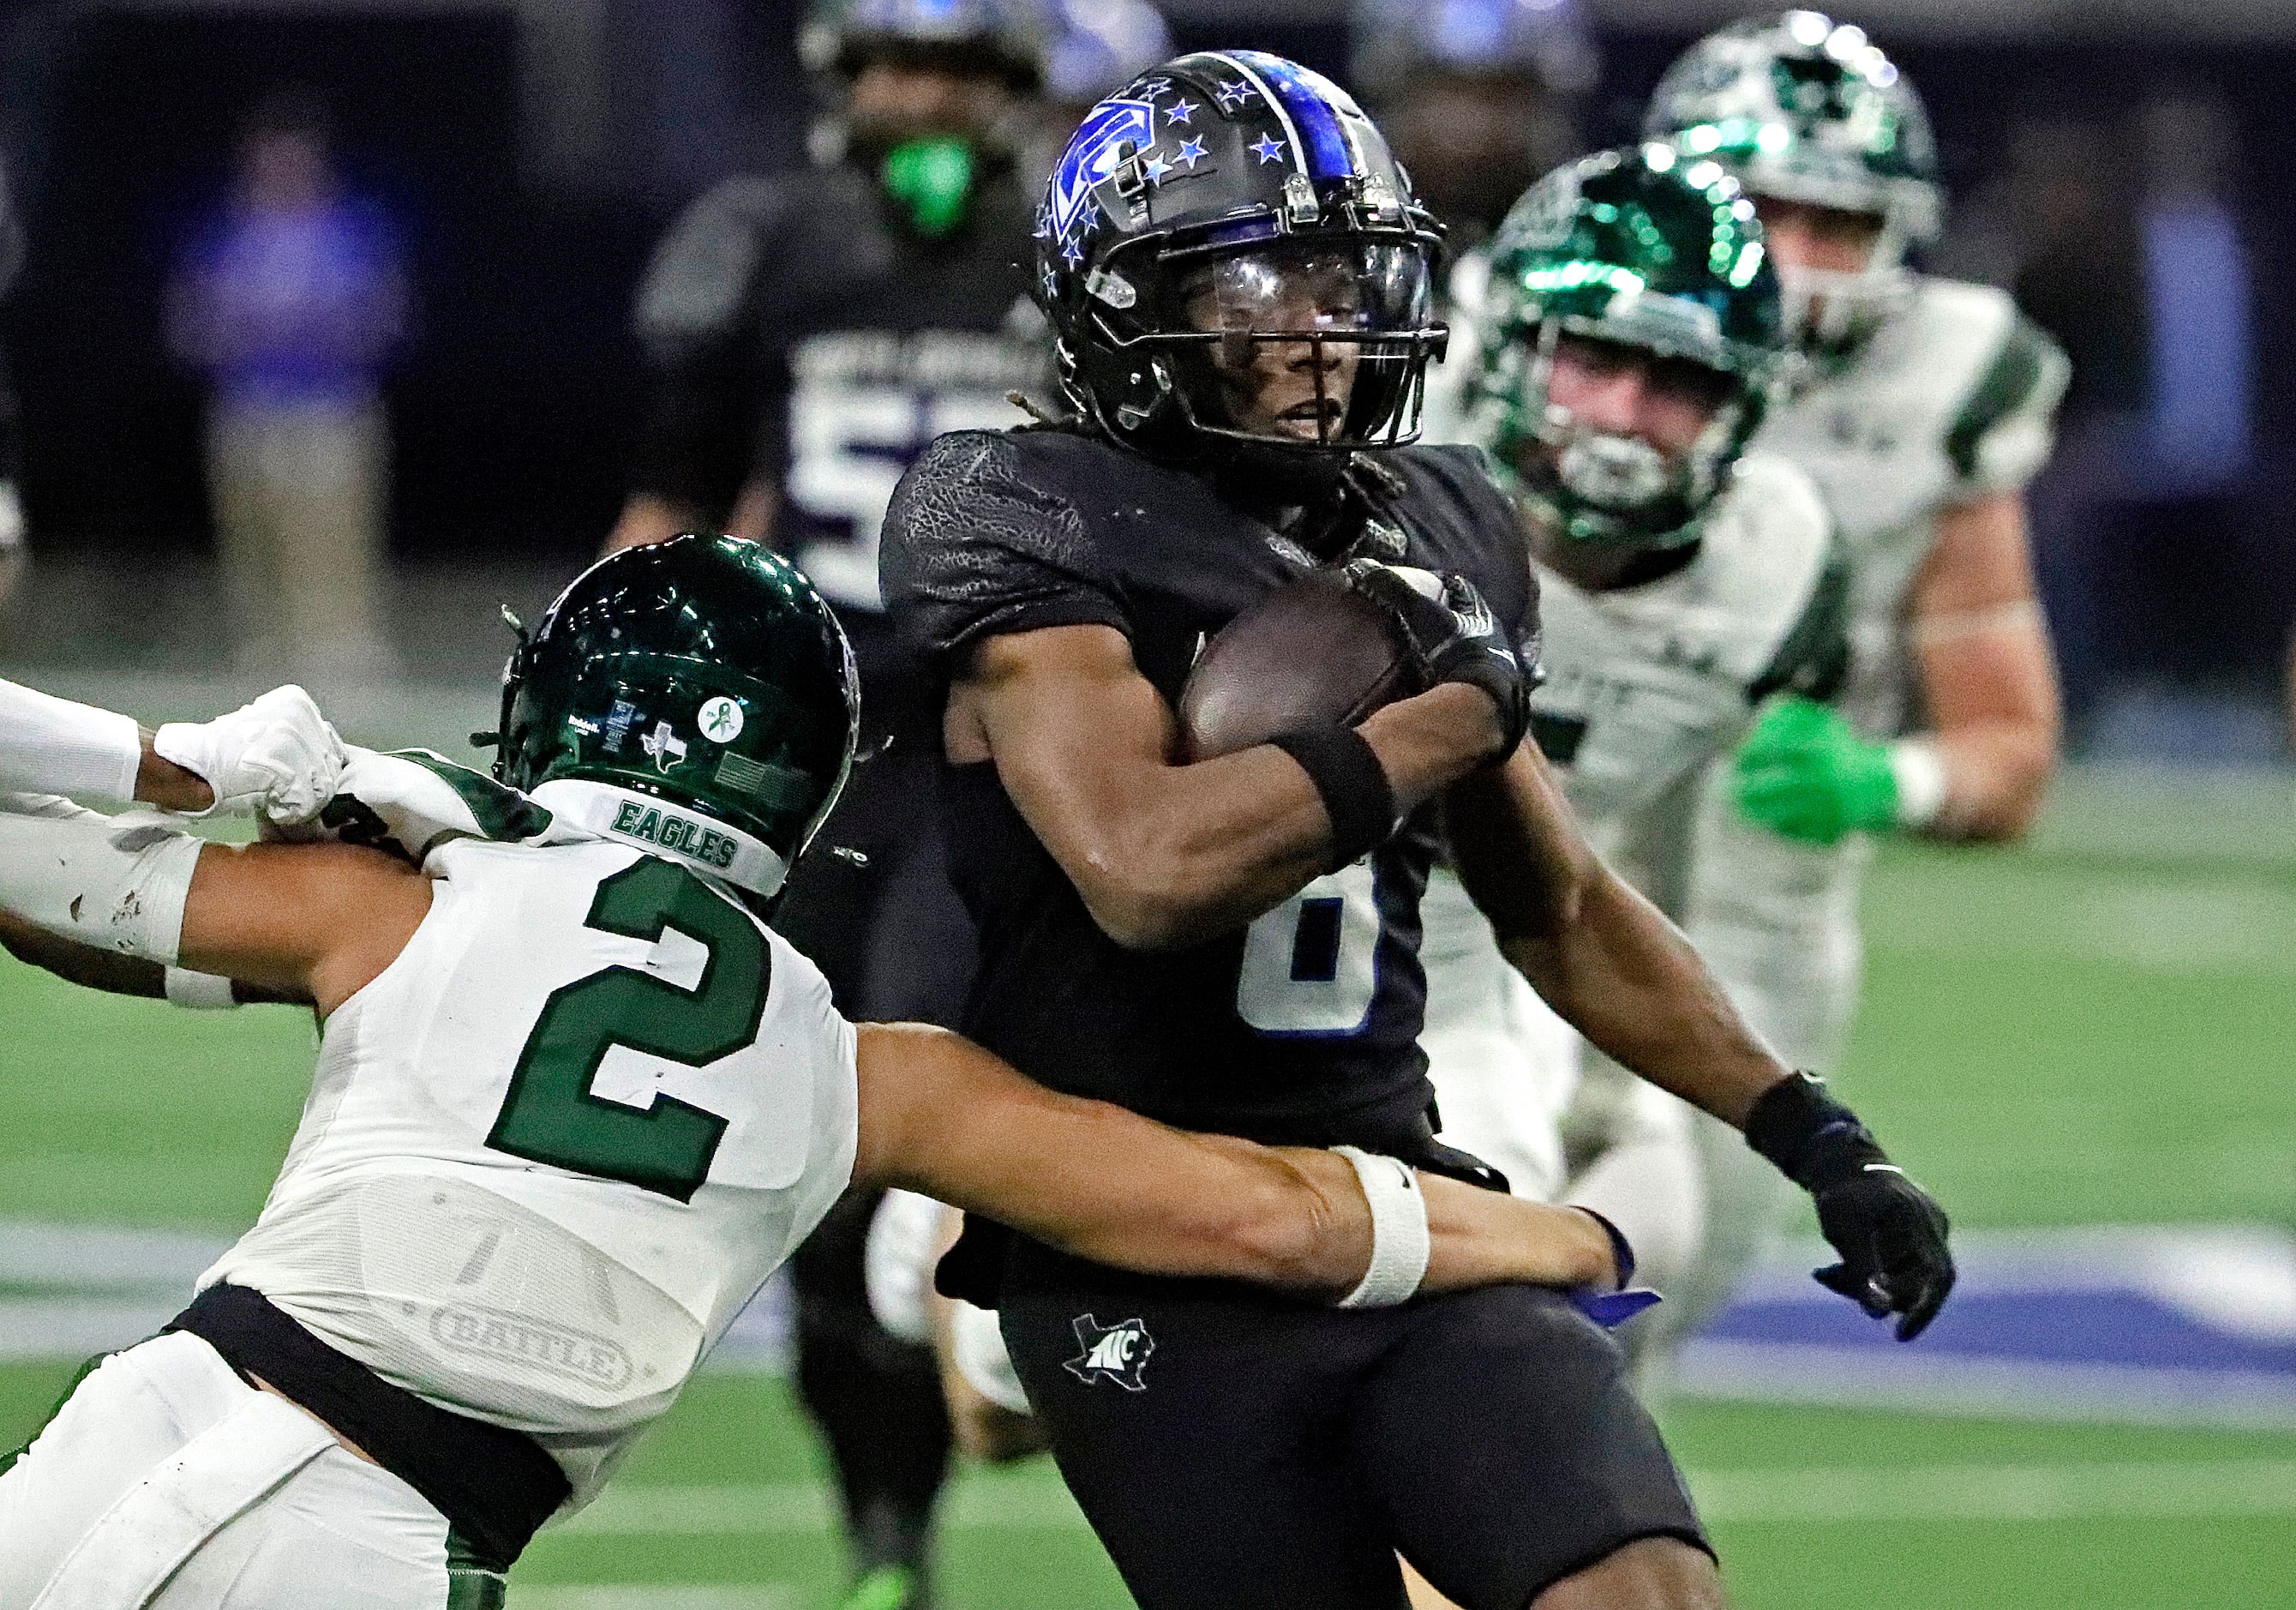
168 1482
1506 1070
906 1236
1776 920
1503 1065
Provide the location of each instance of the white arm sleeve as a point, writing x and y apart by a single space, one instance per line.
51 745
114 883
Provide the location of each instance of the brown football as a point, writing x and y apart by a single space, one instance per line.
1305 656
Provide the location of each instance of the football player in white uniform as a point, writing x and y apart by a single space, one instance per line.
1924 407
575 1100
1627 339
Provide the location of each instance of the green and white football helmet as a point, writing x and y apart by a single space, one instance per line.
1804 109
1648 248
696 698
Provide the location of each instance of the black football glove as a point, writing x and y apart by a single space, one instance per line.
1451 636
1891 1235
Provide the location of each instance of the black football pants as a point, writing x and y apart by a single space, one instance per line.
1238 1452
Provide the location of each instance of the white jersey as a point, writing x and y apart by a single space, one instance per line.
1952 400
1647 684
1646 687
558 1144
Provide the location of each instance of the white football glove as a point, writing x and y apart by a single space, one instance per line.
277 758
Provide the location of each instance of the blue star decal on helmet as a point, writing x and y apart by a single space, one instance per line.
1180 112
1192 152
1152 88
1232 93
1155 168
1267 148
1072 250
1045 221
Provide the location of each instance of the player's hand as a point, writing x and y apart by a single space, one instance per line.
277 756
1452 636
1891 1235
1805 772
1892 1241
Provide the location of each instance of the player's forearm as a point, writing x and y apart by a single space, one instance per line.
943 1117
1481 1237
1196 851
1987 680
1996 775
1605 958
78 964
56 746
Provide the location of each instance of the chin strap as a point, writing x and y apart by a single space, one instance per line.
932 179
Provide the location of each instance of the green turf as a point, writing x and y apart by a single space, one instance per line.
2093 1030
1016 1544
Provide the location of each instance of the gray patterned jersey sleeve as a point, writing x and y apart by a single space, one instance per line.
972 550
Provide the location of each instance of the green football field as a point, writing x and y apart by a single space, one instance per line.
2100 1028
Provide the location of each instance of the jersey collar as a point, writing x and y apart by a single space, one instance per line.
673 832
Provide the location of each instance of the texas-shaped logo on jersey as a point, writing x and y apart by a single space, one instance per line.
1092 156
1111 1352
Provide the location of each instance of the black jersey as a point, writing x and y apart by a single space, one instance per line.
1302 1027
794 334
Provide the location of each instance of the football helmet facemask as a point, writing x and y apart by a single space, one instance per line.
1803 109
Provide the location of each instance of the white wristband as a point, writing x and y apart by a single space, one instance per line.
199 991
51 745
1399 1241
1918 764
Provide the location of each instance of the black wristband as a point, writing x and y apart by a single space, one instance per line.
1355 793
1809 1135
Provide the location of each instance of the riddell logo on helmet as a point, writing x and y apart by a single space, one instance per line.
674 832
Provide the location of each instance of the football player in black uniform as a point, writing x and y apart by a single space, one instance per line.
806 334
1238 276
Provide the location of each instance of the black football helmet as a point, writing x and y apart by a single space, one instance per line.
998 39
694 696
1234 263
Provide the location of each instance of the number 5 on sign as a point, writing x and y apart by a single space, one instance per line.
1310 966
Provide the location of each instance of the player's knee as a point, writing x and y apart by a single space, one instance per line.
1649 1573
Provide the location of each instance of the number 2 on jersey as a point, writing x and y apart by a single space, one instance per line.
551 1114
1310 966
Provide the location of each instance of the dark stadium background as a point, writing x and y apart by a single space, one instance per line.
511 406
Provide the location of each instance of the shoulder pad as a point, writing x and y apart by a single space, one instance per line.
982 537
2025 379
1813 658
414 801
